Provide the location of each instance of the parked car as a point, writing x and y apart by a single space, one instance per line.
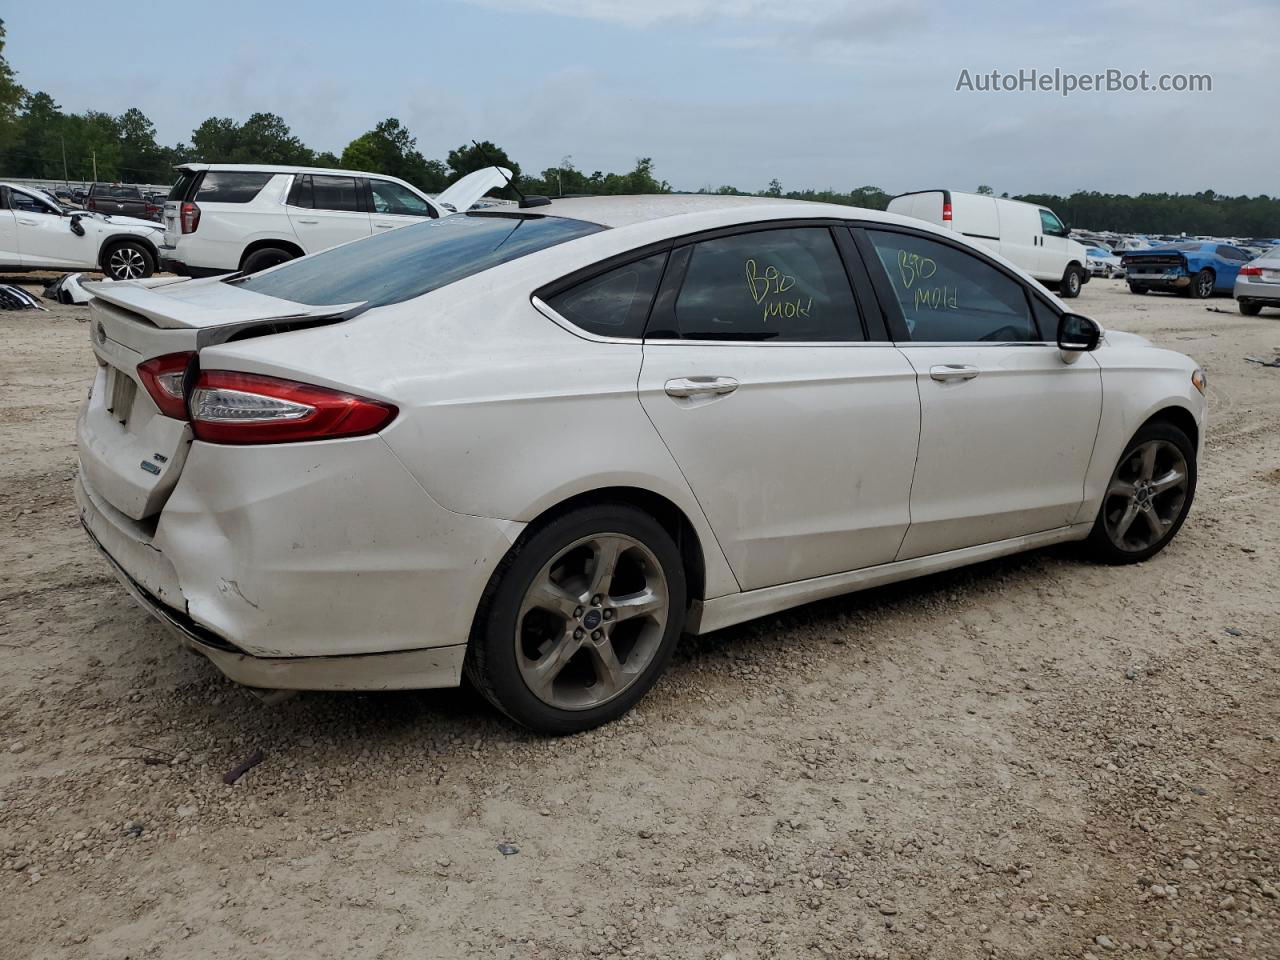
123 199
1192 268
539 445
230 217
1029 236
1258 283
37 233
1102 262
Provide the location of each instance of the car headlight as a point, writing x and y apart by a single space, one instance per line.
1199 381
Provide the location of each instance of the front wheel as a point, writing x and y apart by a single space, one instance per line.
1201 285
579 620
128 260
1072 280
1148 497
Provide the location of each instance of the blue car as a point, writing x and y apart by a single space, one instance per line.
1194 268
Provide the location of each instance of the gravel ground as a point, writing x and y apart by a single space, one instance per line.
1036 757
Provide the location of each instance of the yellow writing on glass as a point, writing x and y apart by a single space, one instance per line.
914 267
937 298
767 288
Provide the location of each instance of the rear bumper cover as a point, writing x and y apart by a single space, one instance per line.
183 270
1259 292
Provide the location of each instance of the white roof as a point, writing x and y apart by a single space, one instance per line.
623 211
277 168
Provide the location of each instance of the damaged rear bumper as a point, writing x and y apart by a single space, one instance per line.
401 670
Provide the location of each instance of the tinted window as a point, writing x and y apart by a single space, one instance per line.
335 193
392 198
405 263
949 295
225 186
1046 319
28 203
117 191
1051 225
186 180
784 284
300 192
616 303
1231 253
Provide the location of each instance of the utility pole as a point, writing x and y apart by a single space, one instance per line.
95 166
65 181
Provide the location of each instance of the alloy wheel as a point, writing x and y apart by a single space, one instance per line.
591 621
1205 284
126 263
1146 495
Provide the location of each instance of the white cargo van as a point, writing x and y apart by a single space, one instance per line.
1027 235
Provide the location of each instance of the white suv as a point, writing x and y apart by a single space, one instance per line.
225 217
36 233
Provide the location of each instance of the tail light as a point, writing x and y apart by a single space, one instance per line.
248 408
1250 271
91 204
166 380
190 217
946 211
151 209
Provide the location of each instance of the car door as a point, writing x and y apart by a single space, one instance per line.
1019 235
8 232
1232 259
1055 247
394 205
1007 427
45 238
795 425
326 210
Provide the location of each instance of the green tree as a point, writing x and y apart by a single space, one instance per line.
389 148
774 189
11 98
985 191
467 159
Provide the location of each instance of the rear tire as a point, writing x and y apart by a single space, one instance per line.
566 638
1137 288
1072 281
1201 286
1249 309
265 258
128 260
1146 502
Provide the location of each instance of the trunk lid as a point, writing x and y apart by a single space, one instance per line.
131 454
463 193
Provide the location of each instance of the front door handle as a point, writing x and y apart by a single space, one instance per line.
701 386
385 226
301 220
946 372
29 223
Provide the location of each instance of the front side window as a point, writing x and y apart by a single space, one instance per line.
1051 225
335 193
226 186
29 204
948 295
615 303
396 200
785 284
401 264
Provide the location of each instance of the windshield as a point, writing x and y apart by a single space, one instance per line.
413 260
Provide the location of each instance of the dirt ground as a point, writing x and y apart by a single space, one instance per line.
1036 757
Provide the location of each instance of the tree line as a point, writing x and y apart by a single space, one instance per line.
40 140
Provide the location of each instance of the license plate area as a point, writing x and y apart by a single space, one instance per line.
121 390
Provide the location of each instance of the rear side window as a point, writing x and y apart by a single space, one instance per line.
186 180
226 186
1231 253
948 295
408 262
335 193
615 303
786 284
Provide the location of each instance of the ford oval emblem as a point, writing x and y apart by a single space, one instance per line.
101 333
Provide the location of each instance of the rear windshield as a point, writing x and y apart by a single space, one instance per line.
108 190
184 184
227 186
414 260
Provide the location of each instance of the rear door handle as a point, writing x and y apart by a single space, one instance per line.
29 223
385 226
300 220
701 386
946 372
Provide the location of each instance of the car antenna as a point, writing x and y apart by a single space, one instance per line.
525 202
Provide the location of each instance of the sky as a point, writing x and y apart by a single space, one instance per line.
815 93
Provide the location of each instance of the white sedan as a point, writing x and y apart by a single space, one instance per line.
36 233
537 445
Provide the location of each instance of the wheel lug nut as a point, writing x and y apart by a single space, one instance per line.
597 634
608 614
577 612
595 601
577 634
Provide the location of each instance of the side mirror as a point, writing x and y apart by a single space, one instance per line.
1077 334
